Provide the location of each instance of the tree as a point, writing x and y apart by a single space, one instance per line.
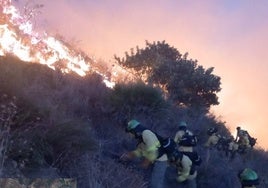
182 79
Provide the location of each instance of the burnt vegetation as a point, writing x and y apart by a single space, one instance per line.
63 125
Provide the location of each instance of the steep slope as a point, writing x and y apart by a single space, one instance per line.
75 127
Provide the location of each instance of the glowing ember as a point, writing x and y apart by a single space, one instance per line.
17 37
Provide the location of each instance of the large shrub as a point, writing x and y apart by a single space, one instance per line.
183 79
130 100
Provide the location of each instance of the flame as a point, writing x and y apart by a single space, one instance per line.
18 38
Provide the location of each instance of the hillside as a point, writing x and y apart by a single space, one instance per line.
63 125
62 117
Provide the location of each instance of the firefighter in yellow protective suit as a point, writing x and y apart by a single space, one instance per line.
180 136
213 137
232 147
242 138
148 149
186 171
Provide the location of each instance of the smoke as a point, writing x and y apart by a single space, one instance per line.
230 36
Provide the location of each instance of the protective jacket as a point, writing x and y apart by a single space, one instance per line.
179 135
243 138
233 146
148 147
212 140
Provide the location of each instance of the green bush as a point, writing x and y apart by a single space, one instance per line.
136 98
136 94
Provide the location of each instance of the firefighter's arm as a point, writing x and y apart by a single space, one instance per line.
236 137
177 137
128 156
131 154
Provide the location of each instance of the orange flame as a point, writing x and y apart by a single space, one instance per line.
17 37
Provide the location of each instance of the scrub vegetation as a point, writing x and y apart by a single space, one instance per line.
56 125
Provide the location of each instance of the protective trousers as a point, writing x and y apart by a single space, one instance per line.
158 174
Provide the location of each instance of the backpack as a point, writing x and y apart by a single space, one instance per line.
195 158
223 144
252 140
167 145
188 139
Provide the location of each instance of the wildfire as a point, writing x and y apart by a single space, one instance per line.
18 38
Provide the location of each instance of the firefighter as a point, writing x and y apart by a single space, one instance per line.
242 138
147 149
213 138
184 138
232 147
186 169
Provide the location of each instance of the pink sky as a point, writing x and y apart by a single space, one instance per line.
231 36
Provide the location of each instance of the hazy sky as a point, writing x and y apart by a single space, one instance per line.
230 35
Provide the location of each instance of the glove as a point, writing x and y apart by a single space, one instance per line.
145 163
180 179
127 156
